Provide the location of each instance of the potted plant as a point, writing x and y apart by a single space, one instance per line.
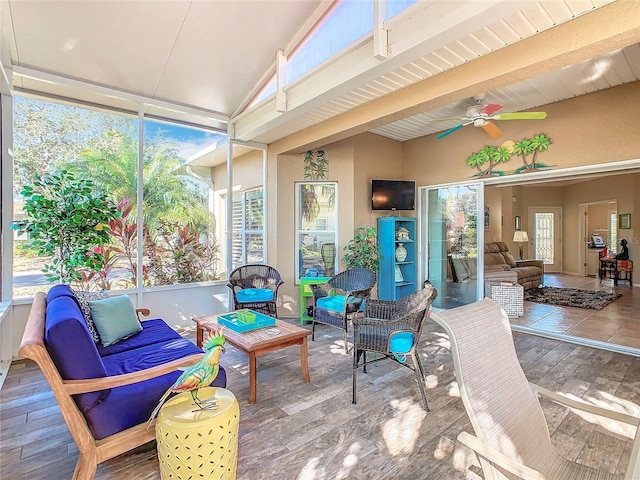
362 249
66 218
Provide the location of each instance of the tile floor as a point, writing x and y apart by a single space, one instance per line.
617 323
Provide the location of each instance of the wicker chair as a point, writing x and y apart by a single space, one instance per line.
392 329
512 435
255 287
328 254
341 298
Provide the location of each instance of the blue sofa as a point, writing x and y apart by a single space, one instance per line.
77 356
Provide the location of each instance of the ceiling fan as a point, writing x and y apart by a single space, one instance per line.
480 115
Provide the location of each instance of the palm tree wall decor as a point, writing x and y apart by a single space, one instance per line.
487 159
527 146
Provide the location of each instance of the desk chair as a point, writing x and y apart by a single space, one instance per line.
624 271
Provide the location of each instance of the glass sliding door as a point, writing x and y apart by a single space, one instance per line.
450 227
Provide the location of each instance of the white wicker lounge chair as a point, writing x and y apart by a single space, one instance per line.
512 436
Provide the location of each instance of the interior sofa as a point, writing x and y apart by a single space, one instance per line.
499 264
106 393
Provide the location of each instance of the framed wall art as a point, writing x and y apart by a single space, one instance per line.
624 221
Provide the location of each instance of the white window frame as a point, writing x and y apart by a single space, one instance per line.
300 230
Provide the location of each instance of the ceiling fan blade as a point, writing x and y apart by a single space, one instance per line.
450 131
521 116
491 109
492 129
444 119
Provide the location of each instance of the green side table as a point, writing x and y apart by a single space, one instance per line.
306 293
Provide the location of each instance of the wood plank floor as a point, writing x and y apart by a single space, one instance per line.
312 431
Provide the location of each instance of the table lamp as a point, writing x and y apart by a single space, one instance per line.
521 237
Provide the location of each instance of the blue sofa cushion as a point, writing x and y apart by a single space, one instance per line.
59 291
153 331
82 298
148 356
115 413
249 295
72 348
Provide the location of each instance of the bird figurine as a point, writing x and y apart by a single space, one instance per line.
197 376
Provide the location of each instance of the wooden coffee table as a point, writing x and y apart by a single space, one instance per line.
258 342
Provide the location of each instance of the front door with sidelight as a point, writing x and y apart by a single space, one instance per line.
545 239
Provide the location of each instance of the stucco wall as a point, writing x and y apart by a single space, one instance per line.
247 172
375 157
592 129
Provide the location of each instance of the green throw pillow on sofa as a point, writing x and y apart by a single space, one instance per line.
115 319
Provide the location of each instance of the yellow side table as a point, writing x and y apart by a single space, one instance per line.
194 443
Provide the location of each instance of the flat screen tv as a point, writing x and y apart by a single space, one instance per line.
393 194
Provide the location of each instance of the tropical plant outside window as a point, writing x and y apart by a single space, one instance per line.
316 221
248 227
178 243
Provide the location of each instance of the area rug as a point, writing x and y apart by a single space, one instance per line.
571 297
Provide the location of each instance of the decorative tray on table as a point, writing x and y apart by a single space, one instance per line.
245 320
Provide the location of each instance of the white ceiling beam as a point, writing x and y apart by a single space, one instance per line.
281 81
428 29
381 47
112 92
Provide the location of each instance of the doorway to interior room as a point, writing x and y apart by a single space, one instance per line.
599 230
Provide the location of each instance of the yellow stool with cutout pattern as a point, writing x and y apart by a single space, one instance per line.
194 443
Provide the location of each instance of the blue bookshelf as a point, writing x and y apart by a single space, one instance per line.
397 276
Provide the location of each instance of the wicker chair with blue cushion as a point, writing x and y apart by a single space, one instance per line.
340 298
255 287
391 329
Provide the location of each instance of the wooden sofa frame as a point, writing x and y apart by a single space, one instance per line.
92 451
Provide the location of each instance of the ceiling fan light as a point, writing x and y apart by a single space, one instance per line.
474 111
479 122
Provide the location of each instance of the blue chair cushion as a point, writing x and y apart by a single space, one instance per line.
335 303
399 344
250 295
67 339
132 404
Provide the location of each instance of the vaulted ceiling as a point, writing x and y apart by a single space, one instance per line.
203 61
